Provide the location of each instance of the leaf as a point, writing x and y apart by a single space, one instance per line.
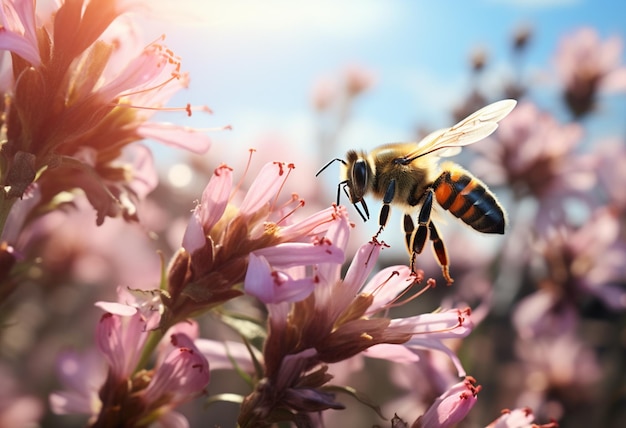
359 396
250 329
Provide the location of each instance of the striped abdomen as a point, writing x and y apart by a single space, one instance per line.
468 198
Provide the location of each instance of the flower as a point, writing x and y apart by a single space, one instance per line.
111 387
227 243
81 376
518 418
587 65
450 407
182 375
586 261
534 155
611 175
82 92
340 319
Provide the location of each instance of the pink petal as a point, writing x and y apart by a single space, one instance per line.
451 407
194 237
117 308
441 325
215 196
177 136
222 353
387 284
183 374
396 353
271 286
292 254
264 187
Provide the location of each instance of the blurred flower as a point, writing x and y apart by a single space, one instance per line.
125 393
612 174
81 376
451 407
478 59
338 94
423 378
558 371
519 418
338 320
223 241
17 409
357 80
82 92
115 253
534 155
522 36
587 261
587 65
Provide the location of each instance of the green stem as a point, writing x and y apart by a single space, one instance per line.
154 338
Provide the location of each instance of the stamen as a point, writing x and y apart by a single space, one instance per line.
300 205
187 109
281 172
245 171
397 302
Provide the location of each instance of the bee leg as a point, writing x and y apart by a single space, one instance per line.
423 220
418 238
386 208
409 227
440 252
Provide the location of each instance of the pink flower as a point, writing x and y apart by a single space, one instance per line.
340 319
256 241
587 260
82 376
120 336
451 407
125 394
587 65
181 376
611 173
518 418
19 34
78 99
535 156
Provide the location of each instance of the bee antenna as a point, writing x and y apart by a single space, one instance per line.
329 164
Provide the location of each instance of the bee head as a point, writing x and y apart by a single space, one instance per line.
356 174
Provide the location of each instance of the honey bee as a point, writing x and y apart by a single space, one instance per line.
407 175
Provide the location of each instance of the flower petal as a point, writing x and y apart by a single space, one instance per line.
190 139
264 187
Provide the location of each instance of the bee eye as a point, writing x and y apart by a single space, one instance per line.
359 177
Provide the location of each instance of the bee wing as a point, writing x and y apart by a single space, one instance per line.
473 128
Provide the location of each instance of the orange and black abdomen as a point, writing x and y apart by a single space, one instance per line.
468 198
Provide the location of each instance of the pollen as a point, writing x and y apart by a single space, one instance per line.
270 228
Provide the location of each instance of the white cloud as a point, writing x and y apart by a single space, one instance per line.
287 18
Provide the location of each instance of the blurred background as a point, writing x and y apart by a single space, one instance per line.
303 82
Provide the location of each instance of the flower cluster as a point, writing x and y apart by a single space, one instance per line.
81 91
338 320
294 309
112 387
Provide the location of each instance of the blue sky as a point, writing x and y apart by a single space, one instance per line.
255 62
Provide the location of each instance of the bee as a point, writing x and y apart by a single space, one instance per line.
408 176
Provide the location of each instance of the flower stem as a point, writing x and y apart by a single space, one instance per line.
153 340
